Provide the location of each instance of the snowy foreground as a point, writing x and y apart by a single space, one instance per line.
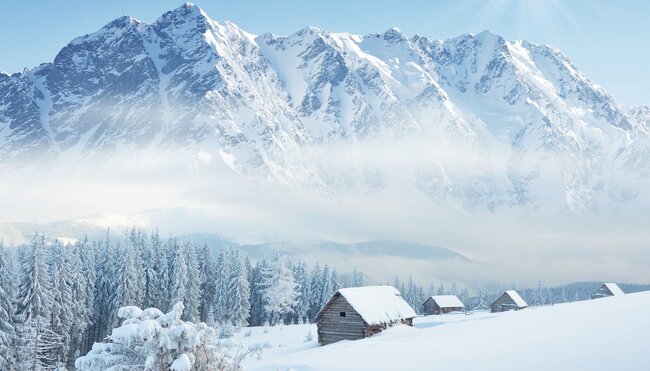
610 333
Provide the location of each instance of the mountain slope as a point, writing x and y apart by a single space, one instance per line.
282 107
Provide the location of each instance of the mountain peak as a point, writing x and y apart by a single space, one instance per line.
394 34
191 11
489 37
309 30
121 22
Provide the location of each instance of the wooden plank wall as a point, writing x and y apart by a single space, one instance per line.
332 327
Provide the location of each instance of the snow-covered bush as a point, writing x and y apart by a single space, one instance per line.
151 340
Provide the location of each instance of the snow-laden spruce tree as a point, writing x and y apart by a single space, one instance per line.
82 299
257 313
279 289
39 347
482 300
7 331
151 340
160 289
301 310
105 283
222 294
316 289
193 290
239 292
207 274
179 274
62 316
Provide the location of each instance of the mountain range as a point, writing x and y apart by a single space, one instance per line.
486 122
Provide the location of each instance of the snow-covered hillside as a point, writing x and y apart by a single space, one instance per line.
473 121
602 334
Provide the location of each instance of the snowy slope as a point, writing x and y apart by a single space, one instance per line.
294 109
601 334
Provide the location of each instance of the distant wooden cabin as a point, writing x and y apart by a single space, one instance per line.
358 312
439 304
509 300
607 289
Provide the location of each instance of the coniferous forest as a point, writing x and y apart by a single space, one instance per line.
57 300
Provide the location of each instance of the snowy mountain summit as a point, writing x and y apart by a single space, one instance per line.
473 121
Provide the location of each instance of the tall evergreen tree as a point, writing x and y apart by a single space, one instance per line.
107 277
221 302
180 275
39 346
316 291
326 287
82 305
193 290
279 290
257 314
150 263
162 285
239 291
34 295
7 330
62 315
208 276
304 293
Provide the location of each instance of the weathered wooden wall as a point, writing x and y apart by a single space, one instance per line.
431 307
503 304
332 327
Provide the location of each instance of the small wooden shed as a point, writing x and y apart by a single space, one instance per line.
358 312
509 300
607 289
439 304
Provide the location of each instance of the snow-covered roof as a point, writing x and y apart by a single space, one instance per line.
514 295
447 301
378 304
613 288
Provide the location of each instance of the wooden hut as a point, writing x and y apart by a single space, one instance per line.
607 289
358 312
439 304
509 300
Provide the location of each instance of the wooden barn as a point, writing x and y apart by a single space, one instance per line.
509 300
440 304
607 289
358 312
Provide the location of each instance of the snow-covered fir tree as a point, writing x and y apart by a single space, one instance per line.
239 292
279 289
7 330
316 291
179 274
222 281
208 276
39 347
301 311
257 313
62 315
192 299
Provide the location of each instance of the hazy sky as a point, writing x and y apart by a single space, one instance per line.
607 39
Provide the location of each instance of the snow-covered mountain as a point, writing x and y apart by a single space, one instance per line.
286 108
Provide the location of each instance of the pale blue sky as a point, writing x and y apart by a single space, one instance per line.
608 40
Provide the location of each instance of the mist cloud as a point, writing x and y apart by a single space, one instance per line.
365 192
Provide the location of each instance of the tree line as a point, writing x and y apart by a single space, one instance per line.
67 297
